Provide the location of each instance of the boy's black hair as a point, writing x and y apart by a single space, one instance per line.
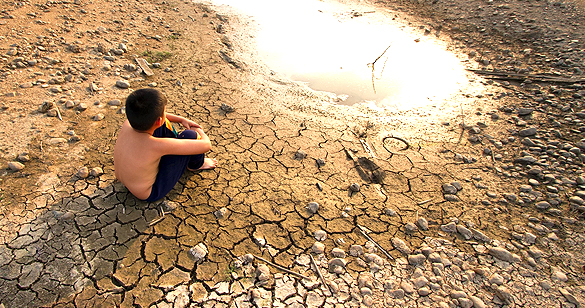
144 107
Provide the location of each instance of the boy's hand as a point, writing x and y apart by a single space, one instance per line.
190 124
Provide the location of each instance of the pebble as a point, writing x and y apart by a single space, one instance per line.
15 166
320 235
198 252
122 84
356 250
23 157
501 253
312 207
219 214
300 155
401 246
96 171
83 172
422 223
98 117
115 102
318 248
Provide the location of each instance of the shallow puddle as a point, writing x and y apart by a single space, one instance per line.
332 46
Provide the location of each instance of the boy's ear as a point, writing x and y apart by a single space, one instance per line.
159 122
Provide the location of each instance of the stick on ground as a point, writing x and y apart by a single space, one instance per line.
362 230
282 268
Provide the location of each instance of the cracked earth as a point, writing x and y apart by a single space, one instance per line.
457 207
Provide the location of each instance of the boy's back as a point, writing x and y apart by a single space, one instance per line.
136 160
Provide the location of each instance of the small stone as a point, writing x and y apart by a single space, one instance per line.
122 84
114 102
83 172
312 207
422 223
336 265
410 227
338 253
450 227
219 214
416 259
300 155
542 205
525 111
169 206
558 275
98 117
401 246
262 272
198 252
15 166
355 187
502 254
356 250
318 248
95 172
226 108
527 132
82 107
496 278
477 302
451 198
466 233
23 157
449 189
320 235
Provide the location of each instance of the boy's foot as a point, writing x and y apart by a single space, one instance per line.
208 163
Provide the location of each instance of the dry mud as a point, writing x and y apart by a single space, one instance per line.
72 240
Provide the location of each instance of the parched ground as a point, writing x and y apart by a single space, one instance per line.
485 205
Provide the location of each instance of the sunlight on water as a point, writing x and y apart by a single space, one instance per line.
329 47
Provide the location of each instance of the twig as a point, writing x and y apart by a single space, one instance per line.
41 146
373 63
152 223
367 148
363 232
423 202
58 113
319 273
284 269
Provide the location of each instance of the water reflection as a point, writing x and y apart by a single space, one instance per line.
329 46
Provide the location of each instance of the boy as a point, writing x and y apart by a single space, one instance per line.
149 156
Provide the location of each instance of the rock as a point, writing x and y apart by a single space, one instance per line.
451 198
410 227
336 265
527 132
338 253
525 111
449 189
422 223
542 205
15 166
226 108
320 235
262 272
318 248
496 278
356 250
83 172
355 187
320 162
477 302
450 227
312 207
82 107
23 157
525 160
401 246
501 253
98 117
122 84
169 206
97 171
198 252
416 259
115 102
219 214
466 233
300 155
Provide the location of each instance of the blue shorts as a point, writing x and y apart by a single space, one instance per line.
172 167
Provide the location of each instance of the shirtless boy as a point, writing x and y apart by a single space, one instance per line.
149 156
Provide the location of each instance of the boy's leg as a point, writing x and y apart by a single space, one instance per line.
172 167
195 161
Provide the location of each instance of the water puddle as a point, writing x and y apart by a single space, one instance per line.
332 46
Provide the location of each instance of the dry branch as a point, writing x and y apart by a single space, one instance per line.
282 268
374 63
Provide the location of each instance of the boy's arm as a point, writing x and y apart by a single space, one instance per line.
179 119
175 146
